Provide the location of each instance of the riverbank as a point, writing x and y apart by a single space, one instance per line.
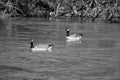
83 9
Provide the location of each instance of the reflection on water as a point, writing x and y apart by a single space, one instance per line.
95 59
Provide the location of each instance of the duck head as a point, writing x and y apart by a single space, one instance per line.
50 45
80 34
67 32
31 44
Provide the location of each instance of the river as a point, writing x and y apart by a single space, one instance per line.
96 58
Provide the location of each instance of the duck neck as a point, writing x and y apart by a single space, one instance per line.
31 43
67 33
50 49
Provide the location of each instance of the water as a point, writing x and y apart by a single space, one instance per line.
97 58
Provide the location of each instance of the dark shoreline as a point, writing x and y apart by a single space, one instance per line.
82 9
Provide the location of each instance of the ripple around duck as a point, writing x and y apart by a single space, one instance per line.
106 43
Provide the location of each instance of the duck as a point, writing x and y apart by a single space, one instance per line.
73 37
40 47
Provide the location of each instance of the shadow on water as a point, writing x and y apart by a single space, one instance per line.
12 68
2 27
5 28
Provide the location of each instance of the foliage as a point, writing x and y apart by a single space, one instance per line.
87 9
10 8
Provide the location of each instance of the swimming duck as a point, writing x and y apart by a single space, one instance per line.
40 47
72 37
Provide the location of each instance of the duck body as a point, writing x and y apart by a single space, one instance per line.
41 47
72 37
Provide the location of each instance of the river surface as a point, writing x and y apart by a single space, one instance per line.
96 58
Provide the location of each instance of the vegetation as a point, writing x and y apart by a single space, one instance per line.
85 9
